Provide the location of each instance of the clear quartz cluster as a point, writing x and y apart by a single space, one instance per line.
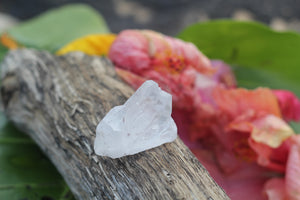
142 123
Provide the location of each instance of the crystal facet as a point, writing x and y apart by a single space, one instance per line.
142 123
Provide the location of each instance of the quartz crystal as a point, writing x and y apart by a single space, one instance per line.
142 123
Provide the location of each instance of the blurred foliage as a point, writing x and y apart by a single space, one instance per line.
57 27
259 55
25 173
3 51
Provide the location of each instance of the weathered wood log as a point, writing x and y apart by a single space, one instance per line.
59 101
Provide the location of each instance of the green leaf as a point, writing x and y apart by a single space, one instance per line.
25 173
265 57
259 55
57 27
3 51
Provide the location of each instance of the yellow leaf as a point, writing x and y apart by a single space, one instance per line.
8 42
91 44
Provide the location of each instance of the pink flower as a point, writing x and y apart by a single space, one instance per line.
237 134
177 66
250 138
148 50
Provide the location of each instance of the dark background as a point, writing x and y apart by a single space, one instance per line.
170 16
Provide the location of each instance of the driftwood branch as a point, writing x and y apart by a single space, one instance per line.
59 101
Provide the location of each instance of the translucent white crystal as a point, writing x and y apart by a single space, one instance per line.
142 123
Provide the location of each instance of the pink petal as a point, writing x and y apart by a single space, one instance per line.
236 102
130 51
270 130
138 51
133 80
245 182
289 104
275 189
292 177
223 74
274 159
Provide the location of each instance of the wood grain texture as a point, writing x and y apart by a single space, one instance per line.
59 101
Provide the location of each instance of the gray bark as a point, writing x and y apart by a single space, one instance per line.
59 101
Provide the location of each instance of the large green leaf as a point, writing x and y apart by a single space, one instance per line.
25 173
57 27
259 55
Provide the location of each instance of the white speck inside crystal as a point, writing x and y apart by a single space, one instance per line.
142 123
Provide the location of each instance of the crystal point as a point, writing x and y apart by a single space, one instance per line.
142 123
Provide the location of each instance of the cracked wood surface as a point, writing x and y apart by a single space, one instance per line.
59 101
